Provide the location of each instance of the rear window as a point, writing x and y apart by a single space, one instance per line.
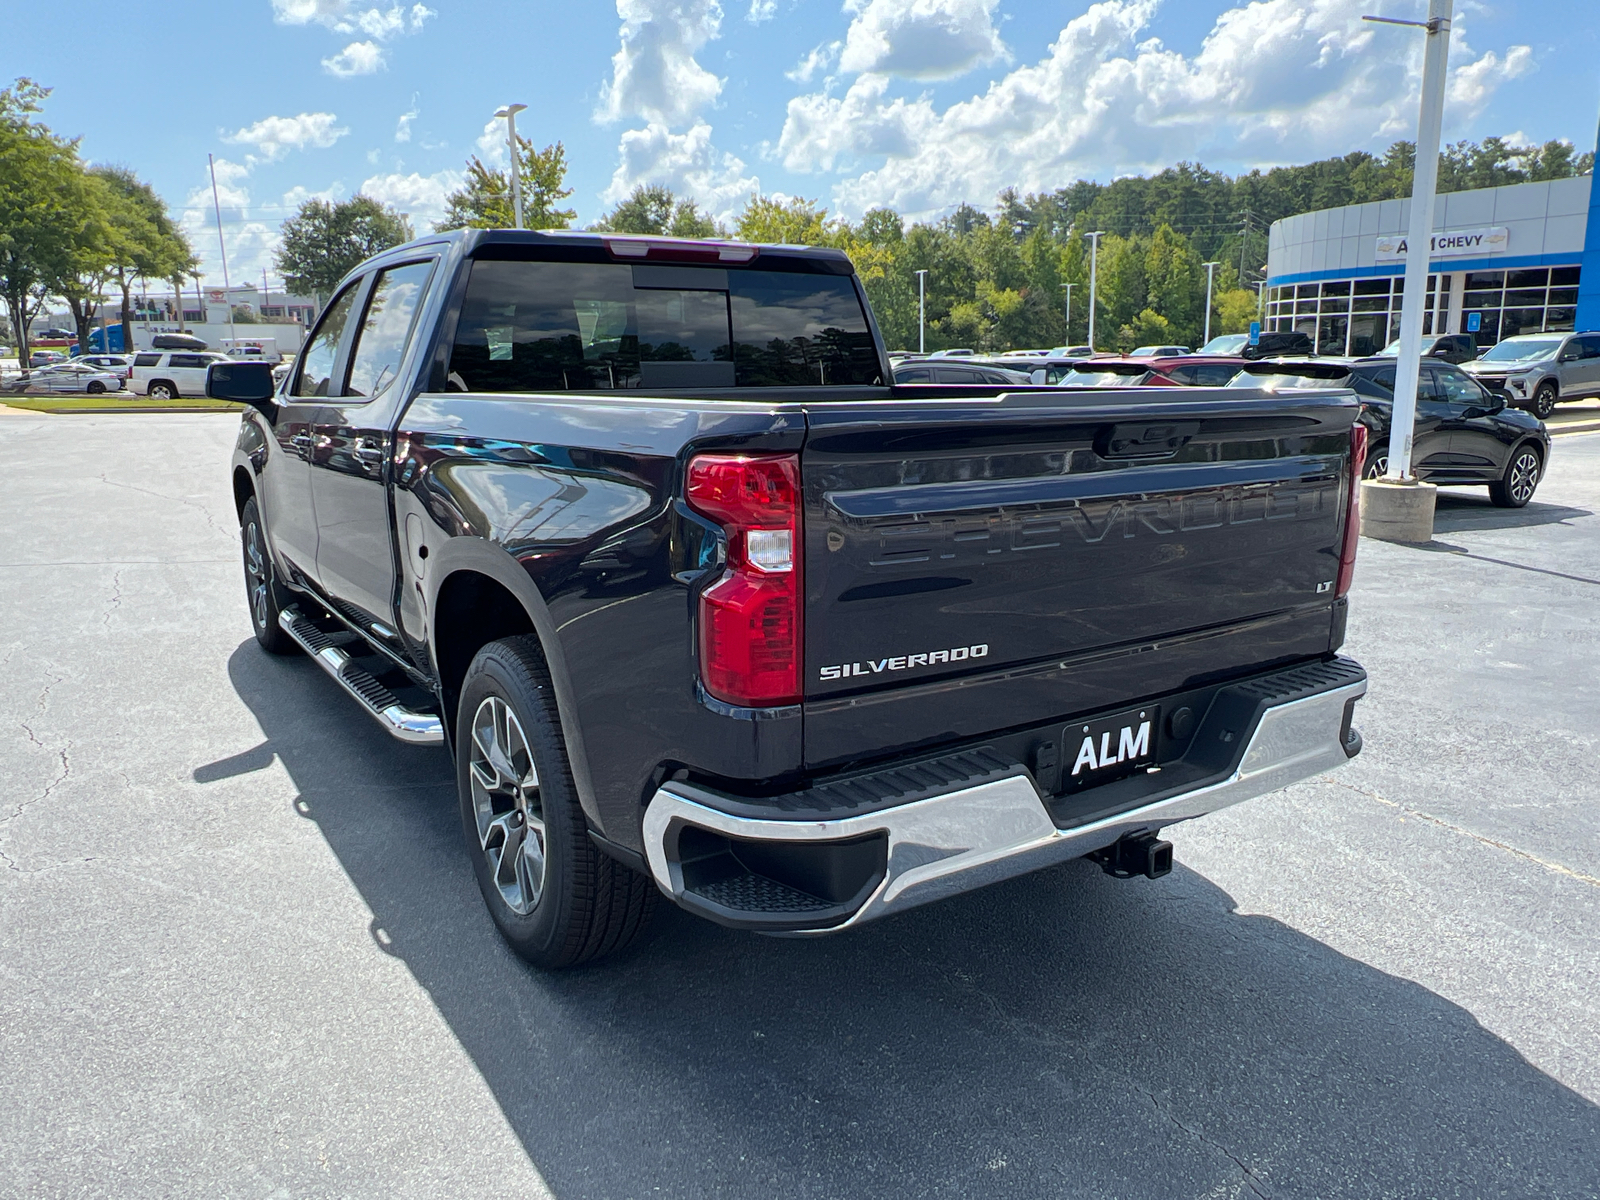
541 327
146 360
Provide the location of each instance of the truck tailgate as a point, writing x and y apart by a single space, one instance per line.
977 565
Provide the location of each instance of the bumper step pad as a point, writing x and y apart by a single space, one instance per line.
328 651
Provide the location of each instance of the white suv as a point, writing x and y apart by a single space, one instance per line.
168 374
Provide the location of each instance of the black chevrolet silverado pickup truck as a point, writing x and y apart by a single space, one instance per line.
636 529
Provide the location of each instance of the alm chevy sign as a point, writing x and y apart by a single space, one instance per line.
1452 243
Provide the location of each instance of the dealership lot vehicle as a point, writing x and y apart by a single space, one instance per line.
1465 434
1447 347
1536 371
1225 344
682 621
1105 371
169 374
924 371
69 378
1158 351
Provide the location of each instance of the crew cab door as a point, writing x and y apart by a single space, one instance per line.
353 436
286 477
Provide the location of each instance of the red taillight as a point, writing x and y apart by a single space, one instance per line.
750 618
1352 517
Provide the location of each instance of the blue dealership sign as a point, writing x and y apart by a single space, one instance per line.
1255 333
1474 322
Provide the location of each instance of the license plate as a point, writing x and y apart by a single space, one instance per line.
1094 752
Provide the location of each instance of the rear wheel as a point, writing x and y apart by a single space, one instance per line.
554 896
261 584
162 390
1544 401
1516 487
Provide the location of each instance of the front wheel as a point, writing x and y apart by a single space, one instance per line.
261 584
95 388
555 897
1544 401
1516 487
1377 464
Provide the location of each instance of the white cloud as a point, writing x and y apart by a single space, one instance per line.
421 197
921 39
274 137
654 74
821 58
1273 80
332 13
358 58
299 194
251 242
342 16
761 10
402 128
687 163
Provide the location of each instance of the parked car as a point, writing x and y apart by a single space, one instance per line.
952 353
1202 370
1536 371
53 335
1274 345
67 379
686 626
1447 347
1104 372
118 364
1226 343
44 358
925 371
1158 351
1070 352
1465 434
169 374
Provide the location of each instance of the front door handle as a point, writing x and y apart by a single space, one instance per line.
369 454
300 441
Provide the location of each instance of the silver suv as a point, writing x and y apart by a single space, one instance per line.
1536 370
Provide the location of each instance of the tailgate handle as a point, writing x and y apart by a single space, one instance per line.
1144 439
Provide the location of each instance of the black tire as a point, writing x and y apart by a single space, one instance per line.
1377 463
1544 401
162 389
262 592
584 904
1516 487
95 388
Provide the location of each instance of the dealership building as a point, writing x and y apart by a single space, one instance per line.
1506 260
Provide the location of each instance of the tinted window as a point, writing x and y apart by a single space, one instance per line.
1457 388
913 375
1591 346
1189 376
187 360
386 328
1214 374
316 367
567 326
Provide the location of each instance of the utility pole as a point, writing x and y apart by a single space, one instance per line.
1245 224
227 292
922 310
1068 288
1094 281
509 112
1211 271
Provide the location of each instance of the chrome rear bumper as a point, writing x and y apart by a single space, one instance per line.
975 835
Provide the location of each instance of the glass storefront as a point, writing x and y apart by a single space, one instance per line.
1361 316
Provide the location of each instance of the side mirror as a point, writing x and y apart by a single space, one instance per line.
244 383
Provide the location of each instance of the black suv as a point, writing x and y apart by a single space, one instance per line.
1465 434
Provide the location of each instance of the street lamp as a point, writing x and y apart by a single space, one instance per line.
1094 288
922 310
1211 270
1424 179
227 289
509 112
1068 288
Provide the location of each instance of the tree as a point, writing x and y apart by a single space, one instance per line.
39 194
484 201
145 240
655 208
323 242
81 276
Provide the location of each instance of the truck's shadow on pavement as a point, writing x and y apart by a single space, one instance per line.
1060 1035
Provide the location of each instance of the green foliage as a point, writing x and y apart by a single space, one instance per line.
655 209
323 242
484 201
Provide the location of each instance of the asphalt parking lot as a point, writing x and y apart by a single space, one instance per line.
242 953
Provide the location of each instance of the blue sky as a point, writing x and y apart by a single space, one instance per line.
914 103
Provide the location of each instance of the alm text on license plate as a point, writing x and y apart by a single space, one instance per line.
1095 752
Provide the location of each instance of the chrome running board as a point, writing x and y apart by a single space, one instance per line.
417 728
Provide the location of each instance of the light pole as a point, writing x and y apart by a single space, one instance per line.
1068 288
1211 270
227 291
922 310
509 112
1420 233
1094 282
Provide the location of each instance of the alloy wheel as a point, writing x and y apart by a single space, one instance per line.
1377 467
1524 476
255 568
506 803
